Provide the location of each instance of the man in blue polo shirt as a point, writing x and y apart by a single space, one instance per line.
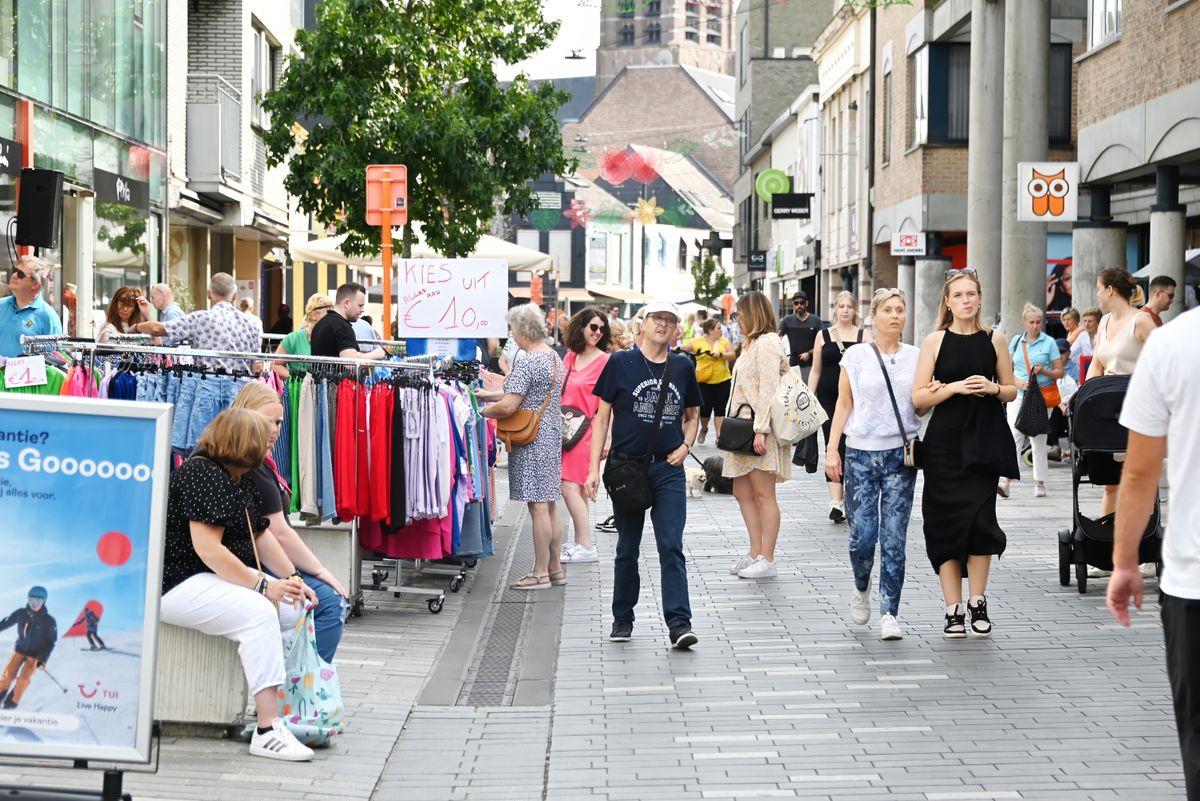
24 313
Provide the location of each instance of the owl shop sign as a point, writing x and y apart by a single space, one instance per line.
1047 192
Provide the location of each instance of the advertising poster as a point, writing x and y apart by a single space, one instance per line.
84 487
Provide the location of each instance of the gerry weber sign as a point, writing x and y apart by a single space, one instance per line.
114 188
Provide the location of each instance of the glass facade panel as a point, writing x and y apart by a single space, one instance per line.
64 145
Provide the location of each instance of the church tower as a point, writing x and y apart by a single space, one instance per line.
693 33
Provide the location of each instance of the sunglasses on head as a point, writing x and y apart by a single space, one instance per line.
597 328
128 300
893 291
956 272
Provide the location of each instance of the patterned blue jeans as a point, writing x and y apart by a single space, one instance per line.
879 499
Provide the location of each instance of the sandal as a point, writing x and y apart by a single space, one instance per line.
558 577
531 581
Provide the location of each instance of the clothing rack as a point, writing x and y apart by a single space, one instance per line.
431 365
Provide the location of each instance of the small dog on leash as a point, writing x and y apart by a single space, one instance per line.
695 481
713 480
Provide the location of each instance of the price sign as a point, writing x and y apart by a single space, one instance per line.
29 371
452 297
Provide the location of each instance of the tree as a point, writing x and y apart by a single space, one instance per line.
711 280
411 82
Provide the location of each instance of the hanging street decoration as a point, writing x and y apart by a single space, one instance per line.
579 214
647 211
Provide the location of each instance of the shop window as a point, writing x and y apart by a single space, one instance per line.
263 76
1104 21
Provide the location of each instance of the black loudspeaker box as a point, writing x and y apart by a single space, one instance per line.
39 208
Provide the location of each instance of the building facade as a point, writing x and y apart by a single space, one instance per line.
694 33
83 91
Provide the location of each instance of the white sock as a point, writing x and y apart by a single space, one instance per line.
976 600
952 609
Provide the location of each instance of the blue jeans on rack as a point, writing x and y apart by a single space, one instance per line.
667 516
184 402
879 498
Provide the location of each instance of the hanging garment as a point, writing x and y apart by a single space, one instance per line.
307 447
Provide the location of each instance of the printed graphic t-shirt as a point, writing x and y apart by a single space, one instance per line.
630 382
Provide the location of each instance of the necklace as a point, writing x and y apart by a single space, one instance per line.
646 362
892 356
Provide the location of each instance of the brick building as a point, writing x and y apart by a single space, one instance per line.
663 32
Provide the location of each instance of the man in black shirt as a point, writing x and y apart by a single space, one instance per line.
283 323
333 335
801 330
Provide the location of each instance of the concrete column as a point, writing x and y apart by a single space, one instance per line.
985 151
929 278
1168 232
1026 138
906 282
1096 245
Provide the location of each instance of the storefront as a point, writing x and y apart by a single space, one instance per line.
84 92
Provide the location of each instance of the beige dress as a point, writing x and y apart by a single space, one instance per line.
755 380
1118 350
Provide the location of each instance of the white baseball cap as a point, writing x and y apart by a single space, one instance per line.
664 306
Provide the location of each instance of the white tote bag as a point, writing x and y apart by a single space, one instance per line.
795 412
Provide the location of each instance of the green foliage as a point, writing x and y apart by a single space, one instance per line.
710 280
411 82
182 293
128 232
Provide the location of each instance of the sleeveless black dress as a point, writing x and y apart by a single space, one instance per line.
965 452
827 385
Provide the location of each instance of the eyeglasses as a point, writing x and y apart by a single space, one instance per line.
128 300
660 321
18 273
597 328
955 273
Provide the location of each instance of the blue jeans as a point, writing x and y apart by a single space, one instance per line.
879 498
184 401
329 617
668 516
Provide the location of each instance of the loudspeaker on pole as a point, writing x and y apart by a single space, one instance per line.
39 207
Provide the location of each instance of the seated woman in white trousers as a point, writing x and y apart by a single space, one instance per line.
211 579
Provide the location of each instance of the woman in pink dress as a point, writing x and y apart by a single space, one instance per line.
588 339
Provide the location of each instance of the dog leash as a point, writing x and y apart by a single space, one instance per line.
694 456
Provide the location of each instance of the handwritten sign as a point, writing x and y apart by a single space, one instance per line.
29 371
452 297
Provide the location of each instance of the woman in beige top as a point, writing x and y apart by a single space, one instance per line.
755 380
1119 340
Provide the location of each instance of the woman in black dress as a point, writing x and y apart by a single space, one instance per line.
823 381
965 373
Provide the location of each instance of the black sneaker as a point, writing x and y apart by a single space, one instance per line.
980 625
607 525
956 624
9 703
836 513
622 631
682 638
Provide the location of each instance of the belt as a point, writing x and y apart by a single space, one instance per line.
644 458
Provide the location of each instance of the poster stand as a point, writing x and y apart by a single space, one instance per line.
111 788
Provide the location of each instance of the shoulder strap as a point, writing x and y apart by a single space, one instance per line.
860 335
662 402
550 390
891 395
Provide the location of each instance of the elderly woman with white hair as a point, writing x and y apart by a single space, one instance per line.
535 469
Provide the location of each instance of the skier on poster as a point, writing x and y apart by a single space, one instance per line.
91 621
37 634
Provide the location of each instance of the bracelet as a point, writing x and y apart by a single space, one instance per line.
261 586
688 445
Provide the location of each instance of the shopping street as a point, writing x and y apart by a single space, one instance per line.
508 696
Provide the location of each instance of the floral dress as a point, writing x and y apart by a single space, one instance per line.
535 470
755 379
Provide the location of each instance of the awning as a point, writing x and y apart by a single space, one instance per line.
627 295
520 292
574 294
1191 261
328 250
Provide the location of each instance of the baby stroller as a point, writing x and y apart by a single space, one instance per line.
1098 443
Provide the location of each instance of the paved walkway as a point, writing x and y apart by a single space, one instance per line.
782 698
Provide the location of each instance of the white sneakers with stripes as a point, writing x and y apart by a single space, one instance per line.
279 743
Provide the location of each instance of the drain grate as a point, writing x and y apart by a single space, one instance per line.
492 678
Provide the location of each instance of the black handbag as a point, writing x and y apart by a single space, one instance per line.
575 422
1032 418
625 480
737 433
912 447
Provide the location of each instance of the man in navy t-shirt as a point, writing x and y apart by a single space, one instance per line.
628 389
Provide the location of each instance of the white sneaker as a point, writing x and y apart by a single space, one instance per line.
1039 489
860 605
759 568
741 564
580 555
1148 570
889 628
1095 572
564 553
1002 488
279 743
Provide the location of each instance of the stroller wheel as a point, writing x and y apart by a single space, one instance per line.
1064 563
1081 577
1027 456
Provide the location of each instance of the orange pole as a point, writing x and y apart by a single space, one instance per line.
386 240
25 137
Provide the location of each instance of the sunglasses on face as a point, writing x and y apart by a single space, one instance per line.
18 273
597 328
954 273
36 601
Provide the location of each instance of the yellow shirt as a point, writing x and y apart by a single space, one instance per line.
707 358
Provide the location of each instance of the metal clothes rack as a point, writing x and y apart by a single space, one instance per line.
434 599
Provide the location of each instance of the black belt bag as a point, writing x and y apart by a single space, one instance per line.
627 483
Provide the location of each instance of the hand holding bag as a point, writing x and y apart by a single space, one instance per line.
575 421
737 433
626 482
912 447
1032 419
521 427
